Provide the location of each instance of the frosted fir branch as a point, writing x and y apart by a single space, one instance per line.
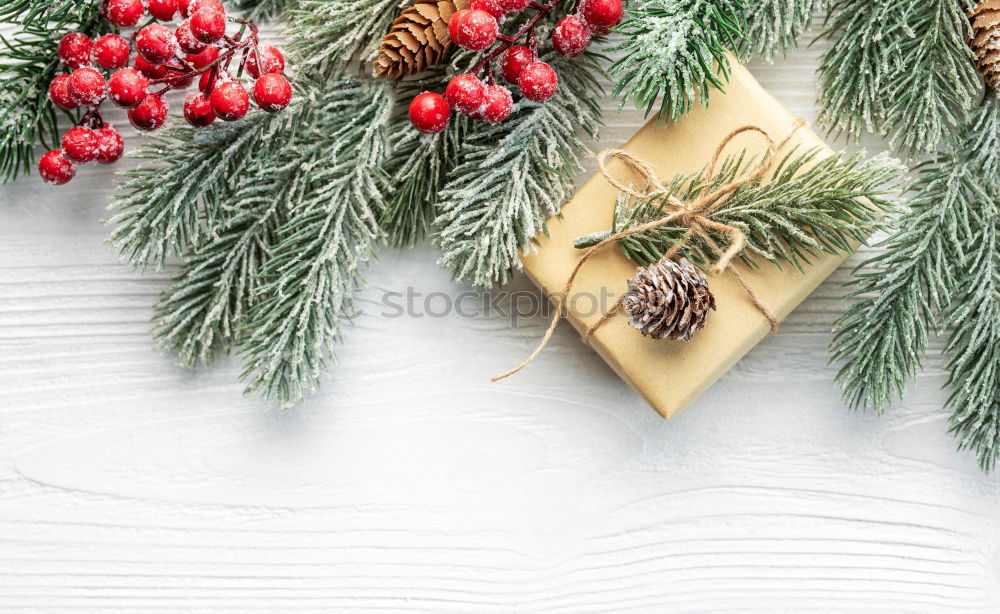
922 280
902 70
261 10
420 163
173 203
674 53
515 175
774 26
327 36
419 166
316 260
50 15
203 311
974 345
811 207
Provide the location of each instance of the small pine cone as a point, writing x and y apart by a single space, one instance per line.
417 39
985 41
668 299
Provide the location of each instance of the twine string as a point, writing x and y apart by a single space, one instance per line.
695 215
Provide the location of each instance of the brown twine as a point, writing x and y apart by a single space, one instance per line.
696 216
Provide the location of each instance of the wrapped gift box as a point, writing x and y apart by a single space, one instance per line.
672 374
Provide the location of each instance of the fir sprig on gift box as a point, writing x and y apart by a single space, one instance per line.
810 207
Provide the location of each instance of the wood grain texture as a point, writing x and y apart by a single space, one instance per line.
411 484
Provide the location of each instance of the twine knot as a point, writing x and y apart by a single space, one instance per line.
695 215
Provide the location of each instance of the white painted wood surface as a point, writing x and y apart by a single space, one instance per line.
409 483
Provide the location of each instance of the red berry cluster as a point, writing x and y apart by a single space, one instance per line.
475 93
197 47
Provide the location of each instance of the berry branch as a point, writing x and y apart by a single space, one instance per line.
476 93
197 47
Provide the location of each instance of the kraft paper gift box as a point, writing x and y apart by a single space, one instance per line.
672 374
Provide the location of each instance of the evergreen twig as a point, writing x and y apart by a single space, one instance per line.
327 36
810 208
939 268
775 25
675 53
516 174
901 69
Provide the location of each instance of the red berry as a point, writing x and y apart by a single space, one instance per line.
110 146
498 104
198 110
230 100
203 59
55 168
123 13
514 6
601 15
111 51
272 92
472 29
156 43
127 88
207 81
465 93
513 62
86 87
80 144
74 50
571 36
59 93
186 39
152 71
493 7
538 81
182 8
208 25
164 10
149 115
429 113
271 60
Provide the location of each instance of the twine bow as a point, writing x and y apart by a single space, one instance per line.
695 215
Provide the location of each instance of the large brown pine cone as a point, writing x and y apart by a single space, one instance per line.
668 299
985 41
417 39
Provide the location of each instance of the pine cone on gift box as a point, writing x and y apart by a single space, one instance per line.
417 39
985 41
668 299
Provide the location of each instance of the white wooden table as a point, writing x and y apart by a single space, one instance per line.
410 483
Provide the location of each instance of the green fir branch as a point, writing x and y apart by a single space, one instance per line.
933 272
203 311
327 36
675 52
50 15
419 165
974 346
175 202
775 26
811 207
515 175
315 263
901 69
28 64
261 10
